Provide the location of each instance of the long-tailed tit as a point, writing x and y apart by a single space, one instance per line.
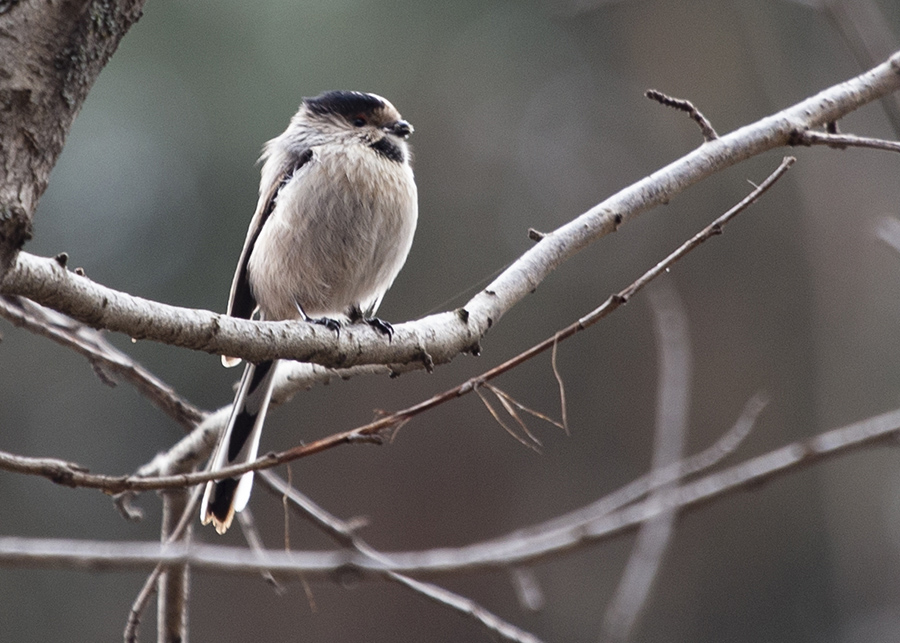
335 220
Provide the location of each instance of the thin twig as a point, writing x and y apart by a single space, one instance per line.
706 128
562 387
284 504
150 585
104 555
513 402
255 543
502 629
344 533
842 141
611 304
533 444
511 406
727 444
135 614
103 356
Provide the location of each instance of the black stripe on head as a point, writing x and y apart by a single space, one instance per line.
388 149
344 103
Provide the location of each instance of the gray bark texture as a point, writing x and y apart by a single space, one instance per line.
51 53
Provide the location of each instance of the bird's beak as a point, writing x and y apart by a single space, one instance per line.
400 128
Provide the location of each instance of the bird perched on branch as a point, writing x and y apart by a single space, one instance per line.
335 220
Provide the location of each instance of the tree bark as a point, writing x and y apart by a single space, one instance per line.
52 53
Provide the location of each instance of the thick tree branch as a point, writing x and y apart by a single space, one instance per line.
438 338
435 339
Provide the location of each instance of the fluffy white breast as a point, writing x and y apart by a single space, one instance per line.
339 233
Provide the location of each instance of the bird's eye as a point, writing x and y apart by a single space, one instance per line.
359 121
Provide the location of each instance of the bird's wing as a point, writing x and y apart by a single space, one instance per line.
241 302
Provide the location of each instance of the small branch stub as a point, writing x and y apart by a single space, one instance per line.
709 133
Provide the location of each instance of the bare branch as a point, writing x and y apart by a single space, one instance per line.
438 338
172 537
74 475
658 478
135 614
842 141
519 548
562 387
303 375
102 355
290 378
672 405
706 128
500 628
537 543
174 581
345 534
254 541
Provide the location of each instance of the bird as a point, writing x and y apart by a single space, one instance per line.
334 223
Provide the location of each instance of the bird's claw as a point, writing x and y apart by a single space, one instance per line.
381 326
327 322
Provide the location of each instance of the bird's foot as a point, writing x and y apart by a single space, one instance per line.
327 322
381 326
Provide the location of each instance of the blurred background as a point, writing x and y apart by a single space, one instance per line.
527 113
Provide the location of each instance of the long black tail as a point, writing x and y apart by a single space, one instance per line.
238 444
